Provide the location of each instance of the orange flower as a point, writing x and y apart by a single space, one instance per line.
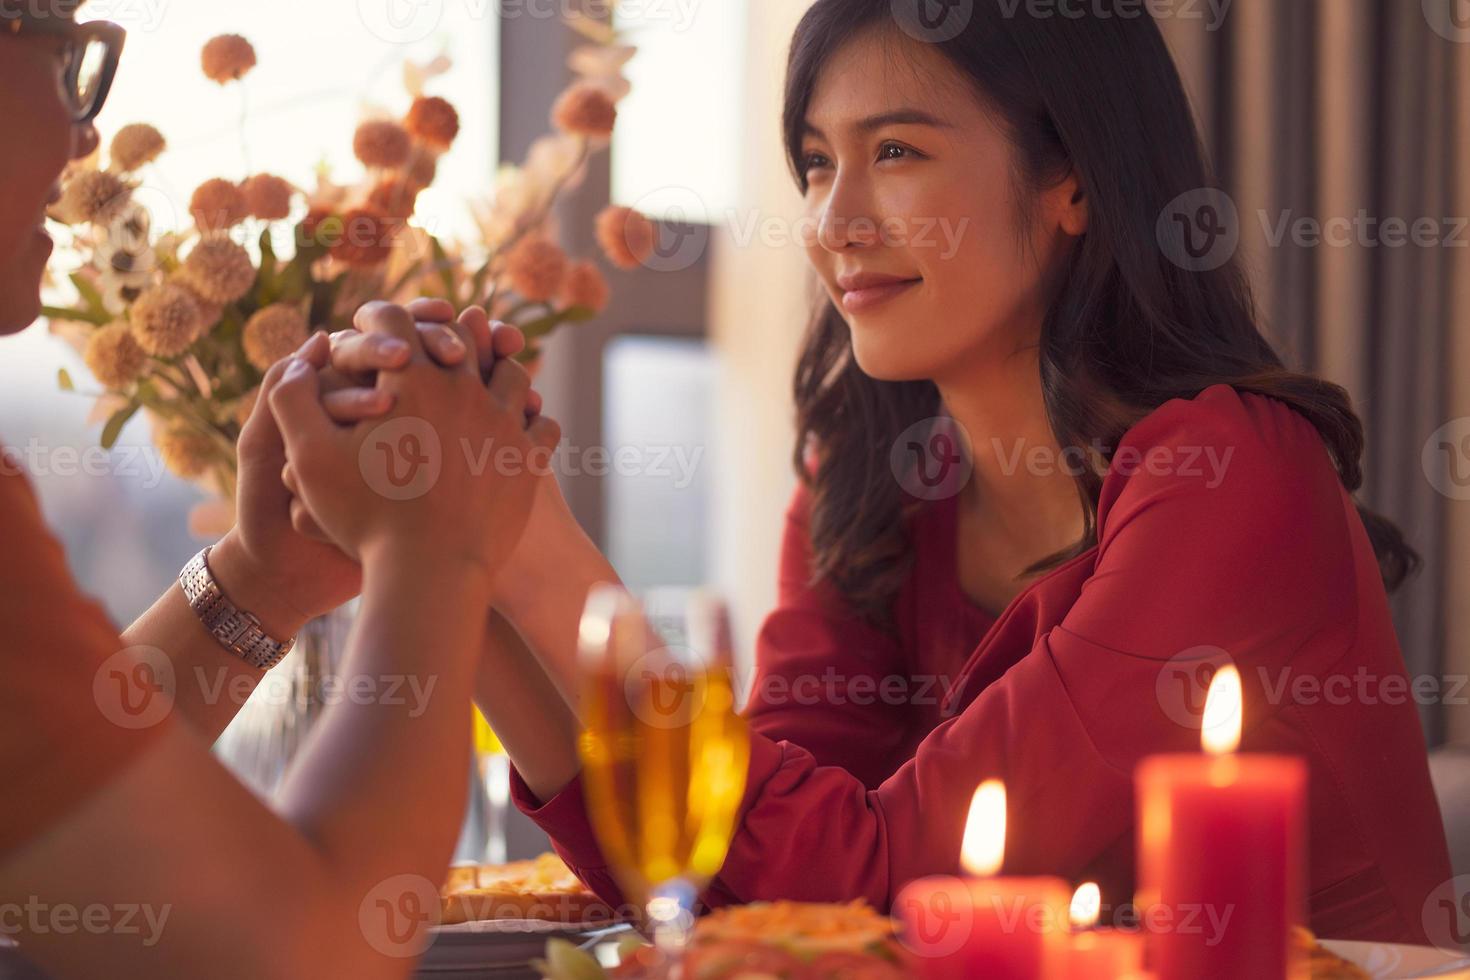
585 286
536 268
272 334
381 143
311 226
421 169
267 197
433 120
135 145
585 109
366 238
626 236
218 204
227 58
394 196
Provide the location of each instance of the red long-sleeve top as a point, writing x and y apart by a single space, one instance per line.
1221 524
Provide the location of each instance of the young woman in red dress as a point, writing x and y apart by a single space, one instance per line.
1146 484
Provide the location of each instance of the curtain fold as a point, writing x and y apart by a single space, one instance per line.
1354 112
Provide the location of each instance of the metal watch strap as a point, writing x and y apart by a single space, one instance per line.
236 630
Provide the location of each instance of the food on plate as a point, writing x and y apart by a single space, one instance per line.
541 888
1322 964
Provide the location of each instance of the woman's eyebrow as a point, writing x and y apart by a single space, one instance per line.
895 117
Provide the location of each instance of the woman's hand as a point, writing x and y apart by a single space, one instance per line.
266 565
415 485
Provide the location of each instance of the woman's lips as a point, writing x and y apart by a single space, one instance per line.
860 300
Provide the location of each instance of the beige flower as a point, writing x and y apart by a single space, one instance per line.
433 120
626 236
227 58
93 196
536 268
218 270
113 356
585 109
166 320
218 204
272 334
267 197
585 286
381 143
185 451
136 145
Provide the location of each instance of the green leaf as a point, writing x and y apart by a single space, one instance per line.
114 425
89 294
268 263
63 380
446 267
76 316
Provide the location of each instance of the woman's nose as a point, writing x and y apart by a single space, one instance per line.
846 221
84 140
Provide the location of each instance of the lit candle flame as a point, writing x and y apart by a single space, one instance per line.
984 848
1220 726
1086 905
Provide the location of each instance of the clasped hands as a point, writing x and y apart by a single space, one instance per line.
413 438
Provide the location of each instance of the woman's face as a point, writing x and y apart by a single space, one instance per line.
913 196
41 139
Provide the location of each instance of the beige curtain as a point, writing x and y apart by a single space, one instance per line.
1360 109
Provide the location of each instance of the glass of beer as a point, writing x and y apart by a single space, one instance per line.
664 752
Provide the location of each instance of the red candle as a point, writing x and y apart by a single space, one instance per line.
1099 954
1005 928
1221 853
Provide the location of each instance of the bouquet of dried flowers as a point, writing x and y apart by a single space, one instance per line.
183 326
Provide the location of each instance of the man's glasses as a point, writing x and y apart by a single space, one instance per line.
92 51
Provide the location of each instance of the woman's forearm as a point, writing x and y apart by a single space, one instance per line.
530 716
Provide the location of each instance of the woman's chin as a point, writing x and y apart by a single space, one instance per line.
889 358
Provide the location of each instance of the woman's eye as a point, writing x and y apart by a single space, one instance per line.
814 160
895 151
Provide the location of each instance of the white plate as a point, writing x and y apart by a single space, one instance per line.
1392 961
504 944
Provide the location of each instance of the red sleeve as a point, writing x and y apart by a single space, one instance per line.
65 726
1189 554
819 668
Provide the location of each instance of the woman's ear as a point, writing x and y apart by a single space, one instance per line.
1072 204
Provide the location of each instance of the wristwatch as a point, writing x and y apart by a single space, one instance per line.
236 630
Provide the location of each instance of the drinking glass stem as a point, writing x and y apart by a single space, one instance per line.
495 773
671 916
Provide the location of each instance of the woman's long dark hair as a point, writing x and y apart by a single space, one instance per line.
1127 329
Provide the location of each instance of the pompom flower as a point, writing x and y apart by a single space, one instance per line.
433 120
364 238
393 196
381 143
166 320
134 146
267 197
113 356
585 286
218 270
585 109
272 334
626 236
421 170
535 268
185 451
93 196
227 58
218 204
